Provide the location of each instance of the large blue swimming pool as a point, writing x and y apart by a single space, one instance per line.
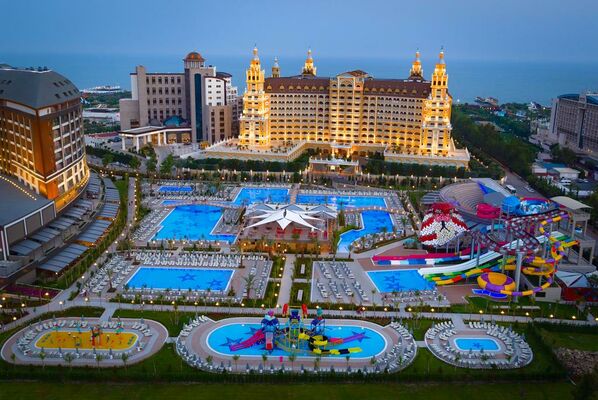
192 222
369 341
176 278
175 189
398 280
373 222
476 344
341 201
262 195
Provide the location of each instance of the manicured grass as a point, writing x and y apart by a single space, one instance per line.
560 311
418 327
571 340
308 268
306 287
456 391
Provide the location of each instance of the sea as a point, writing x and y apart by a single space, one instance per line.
509 81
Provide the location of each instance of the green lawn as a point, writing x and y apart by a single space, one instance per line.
456 391
571 340
561 311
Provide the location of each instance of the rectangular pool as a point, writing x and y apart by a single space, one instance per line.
476 344
192 222
262 195
175 189
402 280
341 201
177 278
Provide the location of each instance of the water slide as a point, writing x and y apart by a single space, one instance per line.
491 266
253 339
461 267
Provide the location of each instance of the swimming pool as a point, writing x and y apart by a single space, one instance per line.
170 202
371 342
192 222
262 195
476 344
171 188
399 280
217 280
341 201
373 222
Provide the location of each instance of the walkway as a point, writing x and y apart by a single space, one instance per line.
284 294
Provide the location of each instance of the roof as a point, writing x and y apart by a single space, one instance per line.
301 83
194 56
574 279
18 201
569 203
223 75
36 88
283 216
564 170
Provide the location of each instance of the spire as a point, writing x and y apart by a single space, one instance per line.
416 71
308 67
255 57
275 69
441 56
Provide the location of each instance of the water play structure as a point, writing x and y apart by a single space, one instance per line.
297 336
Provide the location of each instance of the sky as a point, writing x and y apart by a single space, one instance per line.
529 30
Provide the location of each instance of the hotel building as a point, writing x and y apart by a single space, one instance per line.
574 121
41 133
407 120
200 99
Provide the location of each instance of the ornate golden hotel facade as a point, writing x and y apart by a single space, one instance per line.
408 120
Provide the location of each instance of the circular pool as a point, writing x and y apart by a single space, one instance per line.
222 339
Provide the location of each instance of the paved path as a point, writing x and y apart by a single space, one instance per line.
458 321
284 294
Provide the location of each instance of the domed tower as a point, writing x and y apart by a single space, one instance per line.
416 72
255 120
436 129
308 67
194 60
275 69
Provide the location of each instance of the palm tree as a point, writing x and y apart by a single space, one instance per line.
42 357
124 357
99 358
236 359
264 358
347 358
292 358
68 357
249 282
317 363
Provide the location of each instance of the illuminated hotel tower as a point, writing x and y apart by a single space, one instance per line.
308 67
255 121
436 128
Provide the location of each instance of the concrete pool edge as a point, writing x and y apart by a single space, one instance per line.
181 267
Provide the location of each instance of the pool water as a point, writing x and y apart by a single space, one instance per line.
262 195
169 188
217 280
170 202
373 222
476 344
399 280
192 222
341 201
371 342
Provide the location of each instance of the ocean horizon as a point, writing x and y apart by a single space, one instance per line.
509 81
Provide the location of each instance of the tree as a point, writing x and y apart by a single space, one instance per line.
107 159
124 357
151 164
167 164
292 358
249 282
42 357
236 359
134 163
68 357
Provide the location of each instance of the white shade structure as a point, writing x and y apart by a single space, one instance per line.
285 215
